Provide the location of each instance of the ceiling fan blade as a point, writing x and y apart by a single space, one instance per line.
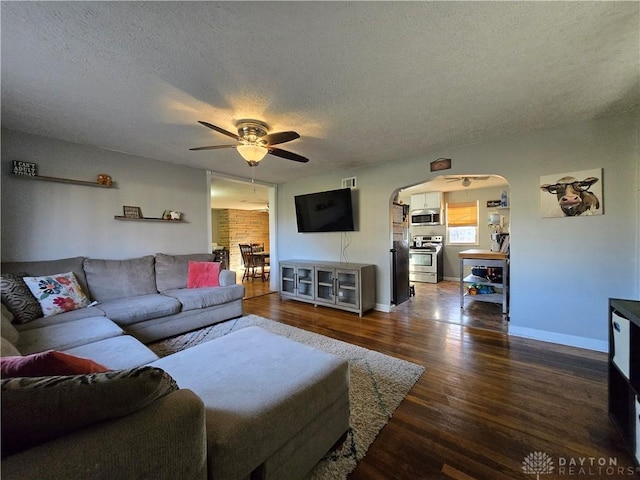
278 152
280 137
219 130
213 147
480 178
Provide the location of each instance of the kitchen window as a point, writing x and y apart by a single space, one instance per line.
462 223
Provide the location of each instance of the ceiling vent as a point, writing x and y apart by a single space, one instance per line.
349 182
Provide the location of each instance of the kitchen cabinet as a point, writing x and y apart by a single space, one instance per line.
624 371
430 200
346 286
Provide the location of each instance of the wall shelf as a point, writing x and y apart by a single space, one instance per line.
65 180
146 219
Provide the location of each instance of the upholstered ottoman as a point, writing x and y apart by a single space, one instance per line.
273 406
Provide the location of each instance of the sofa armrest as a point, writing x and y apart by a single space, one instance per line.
226 278
165 440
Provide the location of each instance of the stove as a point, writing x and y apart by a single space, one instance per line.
426 259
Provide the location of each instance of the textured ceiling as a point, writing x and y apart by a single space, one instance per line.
361 82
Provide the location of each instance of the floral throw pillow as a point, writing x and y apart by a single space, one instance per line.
57 293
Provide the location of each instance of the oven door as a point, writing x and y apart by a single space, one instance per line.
423 266
422 261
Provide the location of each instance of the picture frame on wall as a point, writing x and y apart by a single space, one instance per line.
572 194
132 212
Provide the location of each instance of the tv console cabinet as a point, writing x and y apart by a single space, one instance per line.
346 286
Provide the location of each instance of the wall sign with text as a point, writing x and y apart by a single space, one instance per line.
24 168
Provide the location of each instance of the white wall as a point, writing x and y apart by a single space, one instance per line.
563 269
43 220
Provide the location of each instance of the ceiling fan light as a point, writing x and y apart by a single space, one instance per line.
466 182
252 153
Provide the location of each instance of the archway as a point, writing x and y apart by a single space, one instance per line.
440 300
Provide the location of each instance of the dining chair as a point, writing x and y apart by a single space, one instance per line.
247 260
260 261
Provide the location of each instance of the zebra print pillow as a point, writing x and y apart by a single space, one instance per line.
18 298
39 409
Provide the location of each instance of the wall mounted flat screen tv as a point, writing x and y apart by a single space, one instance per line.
329 211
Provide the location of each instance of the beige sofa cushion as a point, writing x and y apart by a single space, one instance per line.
172 270
38 409
197 298
130 310
7 349
109 279
67 335
71 316
116 353
49 267
7 330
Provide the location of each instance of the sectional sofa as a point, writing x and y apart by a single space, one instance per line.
146 296
248 405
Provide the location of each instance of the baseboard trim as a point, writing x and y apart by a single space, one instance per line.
560 338
380 307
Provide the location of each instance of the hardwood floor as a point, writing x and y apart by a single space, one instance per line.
485 402
441 301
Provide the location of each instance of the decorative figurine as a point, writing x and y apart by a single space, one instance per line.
104 179
171 215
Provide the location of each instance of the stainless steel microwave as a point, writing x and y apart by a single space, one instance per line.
426 217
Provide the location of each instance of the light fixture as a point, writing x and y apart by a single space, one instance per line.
252 153
466 182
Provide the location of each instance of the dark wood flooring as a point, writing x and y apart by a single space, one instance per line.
434 301
486 400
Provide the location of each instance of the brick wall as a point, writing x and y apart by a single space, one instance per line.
241 226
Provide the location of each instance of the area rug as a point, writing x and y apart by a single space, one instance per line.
378 385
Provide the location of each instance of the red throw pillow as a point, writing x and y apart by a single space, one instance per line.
45 364
203 274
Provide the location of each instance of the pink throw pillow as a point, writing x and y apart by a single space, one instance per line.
45 364
203 274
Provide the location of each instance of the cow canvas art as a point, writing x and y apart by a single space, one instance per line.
572 194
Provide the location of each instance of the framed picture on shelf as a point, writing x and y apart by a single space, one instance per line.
132 212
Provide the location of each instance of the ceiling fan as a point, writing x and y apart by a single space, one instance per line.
255 141
466 181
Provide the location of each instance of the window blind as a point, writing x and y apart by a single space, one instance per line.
462 214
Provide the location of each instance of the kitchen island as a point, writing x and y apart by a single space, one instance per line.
485 258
